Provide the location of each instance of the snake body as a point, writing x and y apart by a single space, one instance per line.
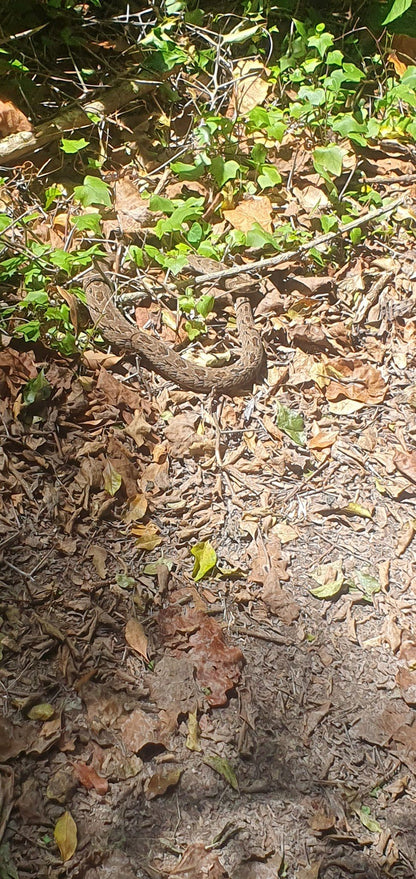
162 359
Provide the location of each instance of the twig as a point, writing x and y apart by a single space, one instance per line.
263 264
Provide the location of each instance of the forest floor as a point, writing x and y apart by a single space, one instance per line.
208 623
238 724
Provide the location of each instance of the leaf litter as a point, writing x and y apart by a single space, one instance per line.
283 710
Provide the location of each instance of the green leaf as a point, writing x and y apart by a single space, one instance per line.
356 235
370 823
186 171
241 36
51 193
195 328
135 254
73 146
159 203
291 423
205 305
366 583
36 390
88 221
268 177
224 768
125 582
399 8
330 578
205 559
93 191
112 479
223 171
316 97
328 161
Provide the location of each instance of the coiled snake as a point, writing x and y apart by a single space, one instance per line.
160 358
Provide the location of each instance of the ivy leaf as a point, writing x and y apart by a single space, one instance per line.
87 221
73 146
205 305
291 423
399 8
223 171
205 559
268 177
93 191
65 834
37 389
328 161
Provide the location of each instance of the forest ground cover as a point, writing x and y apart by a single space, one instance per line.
207 606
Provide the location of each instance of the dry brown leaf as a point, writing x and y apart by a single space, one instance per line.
197 861
142 728
251 86
138 429
12 119
218 666
406 464
160 782
257 209
311 199
406 535
99 555
278 600
89 778
136 637
97 359
324 439
352 379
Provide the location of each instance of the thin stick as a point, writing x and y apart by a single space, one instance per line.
263 264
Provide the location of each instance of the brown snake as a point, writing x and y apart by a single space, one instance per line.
162 359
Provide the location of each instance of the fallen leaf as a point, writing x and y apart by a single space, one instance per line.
251 86
354 380
112 479
192 739
198 861
406 464
223 767
291 423
136 637
43 711
89 778
205 559
137 509
160 782
330 578
99 555
257 209
65 834
148 536
12 119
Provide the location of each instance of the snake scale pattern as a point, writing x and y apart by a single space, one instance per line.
160 358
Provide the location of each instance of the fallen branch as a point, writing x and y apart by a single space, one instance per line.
19 144
271 262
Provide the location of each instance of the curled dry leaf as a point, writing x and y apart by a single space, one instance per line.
136 637
354 380
12 119
89 778
251 88
160 782
406 464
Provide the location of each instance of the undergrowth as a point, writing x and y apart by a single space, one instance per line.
331 88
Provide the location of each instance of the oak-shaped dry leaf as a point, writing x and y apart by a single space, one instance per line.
136 637
65 834
89 778
217 665
12 119
257 209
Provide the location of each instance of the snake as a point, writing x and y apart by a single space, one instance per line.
155 355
